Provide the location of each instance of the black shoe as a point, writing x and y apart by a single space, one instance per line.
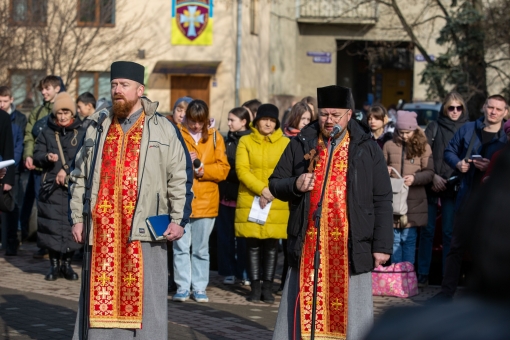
423 280
279 292
255 291
172 287
66 270
267 294
11 251
54 271
41 254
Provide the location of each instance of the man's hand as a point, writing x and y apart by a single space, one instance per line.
481 164
3 172
438 183
173 232
305 182
7 187
463 166
78 233
380 258
29 163
61 177
409 180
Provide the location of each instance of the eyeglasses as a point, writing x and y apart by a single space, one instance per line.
458 108
334 117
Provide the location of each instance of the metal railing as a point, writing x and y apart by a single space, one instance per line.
340 11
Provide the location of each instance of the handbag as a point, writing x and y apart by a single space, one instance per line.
400 193
398 279
7 202
48 187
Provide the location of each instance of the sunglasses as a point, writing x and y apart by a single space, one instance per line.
452 108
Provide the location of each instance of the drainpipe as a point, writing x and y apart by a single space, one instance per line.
238 49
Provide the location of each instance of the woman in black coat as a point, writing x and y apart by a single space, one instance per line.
453 115
232 250
54 229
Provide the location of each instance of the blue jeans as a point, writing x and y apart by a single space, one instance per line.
404 244
231 250
193 270
427 234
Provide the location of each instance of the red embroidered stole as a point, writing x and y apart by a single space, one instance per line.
333 281
116 280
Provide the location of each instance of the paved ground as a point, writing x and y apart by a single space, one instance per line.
32 308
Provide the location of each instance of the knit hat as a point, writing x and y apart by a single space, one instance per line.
506 127
406 120
187 100
267 111
64 101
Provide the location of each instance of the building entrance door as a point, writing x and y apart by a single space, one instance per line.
196 87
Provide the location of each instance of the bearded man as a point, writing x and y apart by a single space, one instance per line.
142 170
356 224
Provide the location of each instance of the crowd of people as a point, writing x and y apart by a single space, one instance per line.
263 164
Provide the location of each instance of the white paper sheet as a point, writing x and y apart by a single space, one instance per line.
5 164
257 214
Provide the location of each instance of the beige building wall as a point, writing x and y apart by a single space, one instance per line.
276 36
317 34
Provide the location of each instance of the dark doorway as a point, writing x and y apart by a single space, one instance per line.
196 87
376 71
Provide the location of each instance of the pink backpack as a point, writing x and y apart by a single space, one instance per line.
398 279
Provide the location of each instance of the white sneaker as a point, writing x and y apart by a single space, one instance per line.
245 282
229 280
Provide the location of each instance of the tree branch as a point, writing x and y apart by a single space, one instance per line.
419 46
429 19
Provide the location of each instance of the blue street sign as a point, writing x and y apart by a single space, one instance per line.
322 60
318 54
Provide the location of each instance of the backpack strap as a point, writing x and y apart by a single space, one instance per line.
403 158
64 165
39 112
435 127
470 147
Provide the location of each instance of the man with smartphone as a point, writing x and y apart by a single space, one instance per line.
470 151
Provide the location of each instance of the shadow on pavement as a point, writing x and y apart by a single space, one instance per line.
34 316
217 321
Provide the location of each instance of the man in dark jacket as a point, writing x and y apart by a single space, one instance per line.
6 153
18 124
486 136
356 221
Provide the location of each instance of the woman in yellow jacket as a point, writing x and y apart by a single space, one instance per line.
256 158
207 151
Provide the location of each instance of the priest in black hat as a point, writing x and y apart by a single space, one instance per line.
142 170
356 225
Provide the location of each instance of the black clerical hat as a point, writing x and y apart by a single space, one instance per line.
334 97
127 70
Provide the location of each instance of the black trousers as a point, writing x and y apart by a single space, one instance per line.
265 251
460 239
10 221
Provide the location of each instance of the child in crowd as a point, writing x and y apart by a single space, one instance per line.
410 154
